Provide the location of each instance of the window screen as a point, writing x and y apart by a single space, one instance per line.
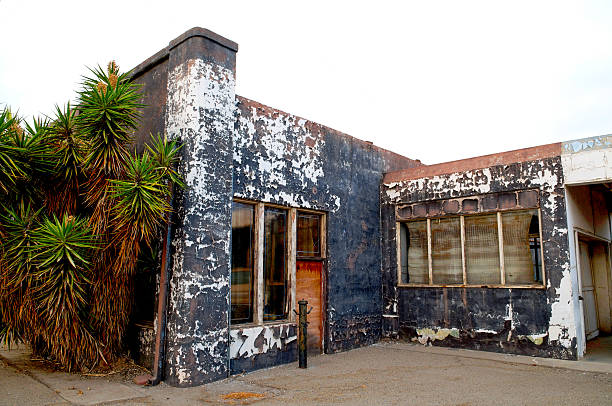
521 232
446 251
413 252
482 250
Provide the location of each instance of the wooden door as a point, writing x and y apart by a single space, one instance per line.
309 286
587 292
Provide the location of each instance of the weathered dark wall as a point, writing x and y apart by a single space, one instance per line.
286 160
526 321
234 147
200 113
152 77
141 344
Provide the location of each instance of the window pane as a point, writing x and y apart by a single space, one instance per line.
521 246
308 235
446 250
482 249
243 226
275 268
413 252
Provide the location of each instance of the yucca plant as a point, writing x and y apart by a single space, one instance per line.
11 166
62 257
76 208
70 147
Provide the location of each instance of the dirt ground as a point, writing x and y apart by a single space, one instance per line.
384 374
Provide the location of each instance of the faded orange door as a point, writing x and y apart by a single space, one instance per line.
309 286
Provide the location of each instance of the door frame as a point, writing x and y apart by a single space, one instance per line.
589 238
324 268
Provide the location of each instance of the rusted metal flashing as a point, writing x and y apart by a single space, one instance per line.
485 161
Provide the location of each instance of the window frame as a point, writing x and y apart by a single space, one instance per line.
291 258
500 236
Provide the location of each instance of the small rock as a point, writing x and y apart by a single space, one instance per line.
142 379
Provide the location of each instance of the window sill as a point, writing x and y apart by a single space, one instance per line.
264 324
486 286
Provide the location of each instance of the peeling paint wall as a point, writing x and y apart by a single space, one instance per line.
234 147
525 321
261 346
200 113
283 159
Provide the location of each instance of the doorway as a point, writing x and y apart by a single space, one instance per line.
594 278
309 287
587 292
310 275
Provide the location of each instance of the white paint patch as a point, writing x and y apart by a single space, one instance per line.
242 341
285 145
484 330
286 153
562 326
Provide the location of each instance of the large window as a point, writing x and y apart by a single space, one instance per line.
243 233
275 264
494 249
266 240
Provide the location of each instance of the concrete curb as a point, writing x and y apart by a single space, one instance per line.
584 366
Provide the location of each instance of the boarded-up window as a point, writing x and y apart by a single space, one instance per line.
446 251
413 252
308 235
521 230
243 226
482 249
275 263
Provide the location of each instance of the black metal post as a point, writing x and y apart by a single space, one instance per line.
303 335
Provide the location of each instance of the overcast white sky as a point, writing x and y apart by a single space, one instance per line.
435 81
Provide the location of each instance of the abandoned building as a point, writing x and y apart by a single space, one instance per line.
506 252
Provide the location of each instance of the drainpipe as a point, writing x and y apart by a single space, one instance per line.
162 305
